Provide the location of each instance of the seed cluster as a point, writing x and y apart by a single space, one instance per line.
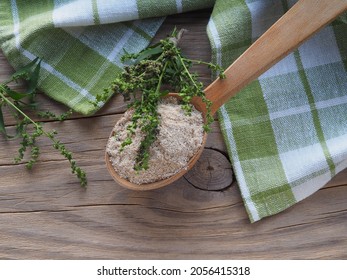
146 78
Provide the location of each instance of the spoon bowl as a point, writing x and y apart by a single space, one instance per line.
303 20
158 184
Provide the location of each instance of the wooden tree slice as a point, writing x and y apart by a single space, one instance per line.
211 172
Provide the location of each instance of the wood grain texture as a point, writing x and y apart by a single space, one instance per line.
211 172
44 214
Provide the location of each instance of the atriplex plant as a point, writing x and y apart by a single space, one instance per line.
26 128
146 73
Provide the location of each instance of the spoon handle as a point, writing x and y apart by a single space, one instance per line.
304 19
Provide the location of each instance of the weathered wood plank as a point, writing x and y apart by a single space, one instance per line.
178 223
44 214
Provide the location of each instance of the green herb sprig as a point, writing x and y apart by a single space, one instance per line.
26 128
143 80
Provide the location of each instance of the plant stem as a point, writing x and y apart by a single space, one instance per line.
161 77
18 110
56 144
188 73
198 61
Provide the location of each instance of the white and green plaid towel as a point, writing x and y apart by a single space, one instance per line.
286 133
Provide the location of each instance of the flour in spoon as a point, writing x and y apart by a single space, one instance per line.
179 138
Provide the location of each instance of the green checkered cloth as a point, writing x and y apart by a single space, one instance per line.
286 132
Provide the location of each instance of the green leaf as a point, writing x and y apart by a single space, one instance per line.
164 93
14 94
178 62
3 128
24 71
2 124
147 53
29 72
33 78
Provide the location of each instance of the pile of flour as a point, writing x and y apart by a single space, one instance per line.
179 138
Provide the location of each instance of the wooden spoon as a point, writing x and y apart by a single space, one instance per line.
303 20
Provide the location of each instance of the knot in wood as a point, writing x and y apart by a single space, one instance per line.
211 172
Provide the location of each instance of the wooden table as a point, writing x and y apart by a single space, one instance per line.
45 214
